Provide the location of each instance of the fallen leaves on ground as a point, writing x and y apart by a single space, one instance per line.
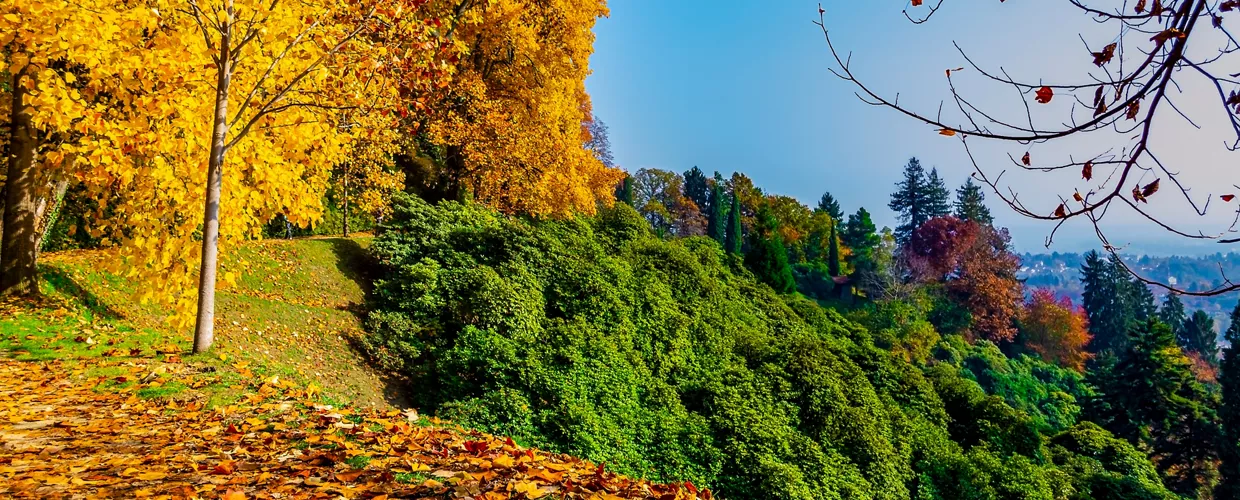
63 433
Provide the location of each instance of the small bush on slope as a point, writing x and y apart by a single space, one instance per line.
666 359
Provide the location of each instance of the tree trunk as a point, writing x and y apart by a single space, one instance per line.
204 328
18 274
346 204
49 209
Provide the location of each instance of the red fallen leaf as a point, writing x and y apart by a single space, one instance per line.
120 380
1044 95
476 447
509 442
1150 189
947 132
1228 197
1140 6
232 429
225 468
1133 109
1087 172
1060 211
600 468
689 486
1105 55
1025 159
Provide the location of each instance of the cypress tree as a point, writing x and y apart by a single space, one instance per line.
732 242
970 206
829 206
1229 412
624 192
716 223
833 252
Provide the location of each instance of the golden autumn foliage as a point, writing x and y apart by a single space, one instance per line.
511 122
1056 330
129 88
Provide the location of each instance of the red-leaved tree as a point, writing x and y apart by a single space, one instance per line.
977 269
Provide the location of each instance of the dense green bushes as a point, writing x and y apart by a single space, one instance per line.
667 359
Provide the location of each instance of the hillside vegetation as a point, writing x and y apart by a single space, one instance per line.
664 358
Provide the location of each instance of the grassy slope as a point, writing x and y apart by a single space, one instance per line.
290 315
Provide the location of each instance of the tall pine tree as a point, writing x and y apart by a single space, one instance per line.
1172 313
828 205
1151 398
1198 336
917 199
860 236
1104 304
938 198
697 189
732 240
970 204
716 222
1229 412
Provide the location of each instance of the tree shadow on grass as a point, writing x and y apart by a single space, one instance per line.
65 284
357 264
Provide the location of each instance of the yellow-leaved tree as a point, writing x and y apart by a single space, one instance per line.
197 121
511 122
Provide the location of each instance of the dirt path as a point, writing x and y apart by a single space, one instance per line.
64 434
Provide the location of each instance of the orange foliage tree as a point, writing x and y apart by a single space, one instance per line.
1055 329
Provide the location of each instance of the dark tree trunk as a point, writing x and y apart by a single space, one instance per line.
18 274
346 204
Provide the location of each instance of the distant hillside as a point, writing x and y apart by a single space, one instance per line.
1061 272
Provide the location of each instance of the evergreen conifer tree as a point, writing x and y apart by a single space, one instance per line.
624 192
860 236
732 239
970 204
938 198
833 251
716 222
828 205
1198 336
916 200
1151 398
1172 313
1229 412
697 189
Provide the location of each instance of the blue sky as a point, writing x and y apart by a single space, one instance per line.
744 86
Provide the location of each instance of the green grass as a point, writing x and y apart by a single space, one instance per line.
411 477
358 461
295 306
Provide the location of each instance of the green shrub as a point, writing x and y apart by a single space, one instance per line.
668 360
